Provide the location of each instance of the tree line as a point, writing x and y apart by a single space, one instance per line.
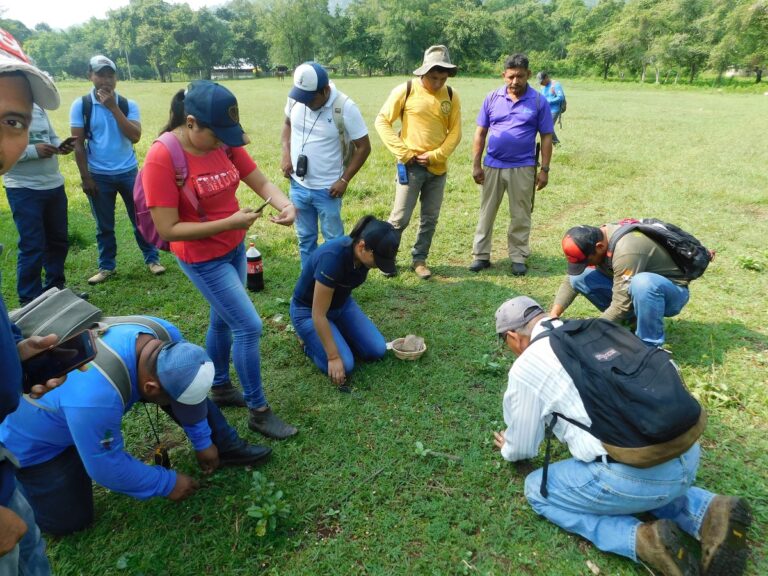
666 40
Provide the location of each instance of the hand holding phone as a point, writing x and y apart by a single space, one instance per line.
58 360
67 145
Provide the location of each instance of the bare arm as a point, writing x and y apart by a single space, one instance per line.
359 156
478 145
285 140
546 155
81 159
321 303
131 129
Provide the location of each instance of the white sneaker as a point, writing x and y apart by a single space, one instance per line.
101 276
156 268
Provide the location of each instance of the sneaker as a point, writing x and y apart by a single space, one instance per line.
421 270
156 268
519 269
659 545
269 424
478 265
101 276
724 536
245 455
226 395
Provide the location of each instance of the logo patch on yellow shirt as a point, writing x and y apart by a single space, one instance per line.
445 107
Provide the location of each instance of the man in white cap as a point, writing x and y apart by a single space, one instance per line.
430 116
594 495
321 125
73 436
22 550
107 126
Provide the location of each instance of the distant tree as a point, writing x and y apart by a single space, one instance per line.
245 20
204 39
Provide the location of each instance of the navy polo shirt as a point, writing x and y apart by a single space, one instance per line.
333 265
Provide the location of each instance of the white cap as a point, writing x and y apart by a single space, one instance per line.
13 59
100 62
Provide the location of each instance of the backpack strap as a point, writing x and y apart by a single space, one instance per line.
450 93
408 88
179 161
109 362
337 109
112 367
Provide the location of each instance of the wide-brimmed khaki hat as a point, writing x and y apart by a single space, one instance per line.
436 56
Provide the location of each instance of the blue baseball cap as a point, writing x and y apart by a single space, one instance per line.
308 80
186 373
215 107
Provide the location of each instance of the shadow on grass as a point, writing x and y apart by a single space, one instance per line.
702 343
538 267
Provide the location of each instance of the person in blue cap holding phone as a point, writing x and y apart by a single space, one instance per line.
207 238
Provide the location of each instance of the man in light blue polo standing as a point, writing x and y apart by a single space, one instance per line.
320 124
514 114
107 126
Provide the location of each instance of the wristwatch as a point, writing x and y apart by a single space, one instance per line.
545 169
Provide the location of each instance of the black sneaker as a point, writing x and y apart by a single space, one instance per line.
519 269
478 265
226 395
270 425
245 455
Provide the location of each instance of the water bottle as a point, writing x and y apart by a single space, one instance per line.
255 274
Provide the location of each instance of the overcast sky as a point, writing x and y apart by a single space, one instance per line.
65 13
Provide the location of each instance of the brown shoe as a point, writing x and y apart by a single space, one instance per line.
101 276
724 536
421 270
658 544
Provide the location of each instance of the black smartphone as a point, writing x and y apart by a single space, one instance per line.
59 360
68 142
266 203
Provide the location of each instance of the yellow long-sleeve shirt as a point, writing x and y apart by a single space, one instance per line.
430 123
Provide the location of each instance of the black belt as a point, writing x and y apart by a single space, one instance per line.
607 458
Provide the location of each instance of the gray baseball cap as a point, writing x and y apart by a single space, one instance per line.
516 313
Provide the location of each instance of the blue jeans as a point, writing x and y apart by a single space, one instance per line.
41 220
103 210
61 492
311 205
28 557
424 187
353 332
654 297
598 500
222 282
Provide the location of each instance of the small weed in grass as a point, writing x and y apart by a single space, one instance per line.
750 263
267 504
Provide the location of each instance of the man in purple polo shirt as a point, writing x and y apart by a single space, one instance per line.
514 114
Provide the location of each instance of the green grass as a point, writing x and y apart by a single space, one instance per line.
362 500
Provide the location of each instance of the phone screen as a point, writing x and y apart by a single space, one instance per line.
59 360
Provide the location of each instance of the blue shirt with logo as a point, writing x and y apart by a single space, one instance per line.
109 151
512 127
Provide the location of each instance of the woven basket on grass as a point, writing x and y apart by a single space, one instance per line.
402 354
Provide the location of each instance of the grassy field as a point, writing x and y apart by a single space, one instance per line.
363 501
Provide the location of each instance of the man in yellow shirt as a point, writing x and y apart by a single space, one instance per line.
430 116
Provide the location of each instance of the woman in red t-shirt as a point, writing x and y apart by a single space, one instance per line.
208 240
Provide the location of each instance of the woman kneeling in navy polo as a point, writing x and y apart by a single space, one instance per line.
332 326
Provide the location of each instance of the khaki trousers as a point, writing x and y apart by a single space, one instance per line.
518 183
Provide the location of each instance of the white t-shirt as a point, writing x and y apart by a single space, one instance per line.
314 134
